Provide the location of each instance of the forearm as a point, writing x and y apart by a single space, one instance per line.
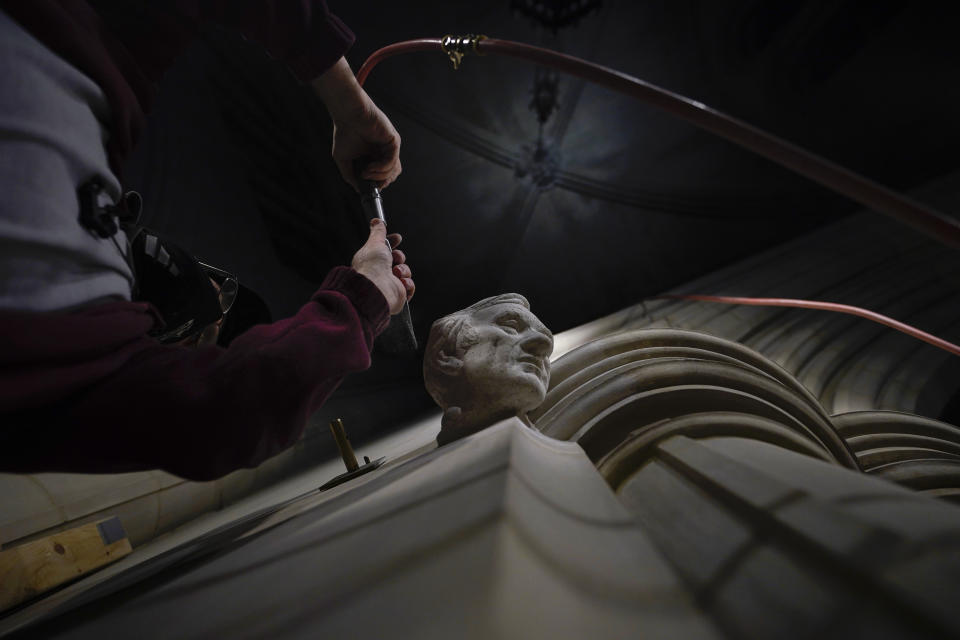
343 96
240 406
201 413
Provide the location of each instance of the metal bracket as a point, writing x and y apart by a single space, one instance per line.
349 459
350 475
458 46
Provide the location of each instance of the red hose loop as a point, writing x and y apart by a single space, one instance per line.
831 175
949 347
407 46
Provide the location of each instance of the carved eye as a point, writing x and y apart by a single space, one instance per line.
511 324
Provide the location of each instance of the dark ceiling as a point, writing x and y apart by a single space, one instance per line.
235 163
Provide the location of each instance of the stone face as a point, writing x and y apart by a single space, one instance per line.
486 363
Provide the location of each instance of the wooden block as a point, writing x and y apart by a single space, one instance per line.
38 566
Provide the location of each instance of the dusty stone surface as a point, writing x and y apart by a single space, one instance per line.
486 363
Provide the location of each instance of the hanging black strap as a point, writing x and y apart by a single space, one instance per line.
105 220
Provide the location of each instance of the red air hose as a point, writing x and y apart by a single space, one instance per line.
829 174
824 306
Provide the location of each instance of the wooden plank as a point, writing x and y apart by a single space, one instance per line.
38 566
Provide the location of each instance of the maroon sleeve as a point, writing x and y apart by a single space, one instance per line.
301 33
201 413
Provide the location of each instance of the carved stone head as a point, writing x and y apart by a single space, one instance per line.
486 363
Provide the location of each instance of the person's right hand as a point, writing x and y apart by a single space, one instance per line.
385 268
362 133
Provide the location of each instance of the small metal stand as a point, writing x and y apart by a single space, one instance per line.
354 469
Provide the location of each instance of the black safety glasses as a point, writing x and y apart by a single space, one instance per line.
226 283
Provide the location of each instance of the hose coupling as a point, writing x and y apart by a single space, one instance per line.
458 46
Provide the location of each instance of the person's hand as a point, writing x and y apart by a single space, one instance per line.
370 142
363 136
385 268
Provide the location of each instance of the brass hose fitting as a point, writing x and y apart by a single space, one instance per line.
458 46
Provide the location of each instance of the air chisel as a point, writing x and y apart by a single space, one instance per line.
398 337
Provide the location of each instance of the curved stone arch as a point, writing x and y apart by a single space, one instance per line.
565 389
916 452
602 349
607 430
561 395
641 445
861 423
937 478
613 404
883 448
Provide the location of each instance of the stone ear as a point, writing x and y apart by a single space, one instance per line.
450 365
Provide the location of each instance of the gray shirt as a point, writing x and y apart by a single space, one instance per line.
52 137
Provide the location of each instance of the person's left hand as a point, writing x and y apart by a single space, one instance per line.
386 268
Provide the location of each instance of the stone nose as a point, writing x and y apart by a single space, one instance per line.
537 344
